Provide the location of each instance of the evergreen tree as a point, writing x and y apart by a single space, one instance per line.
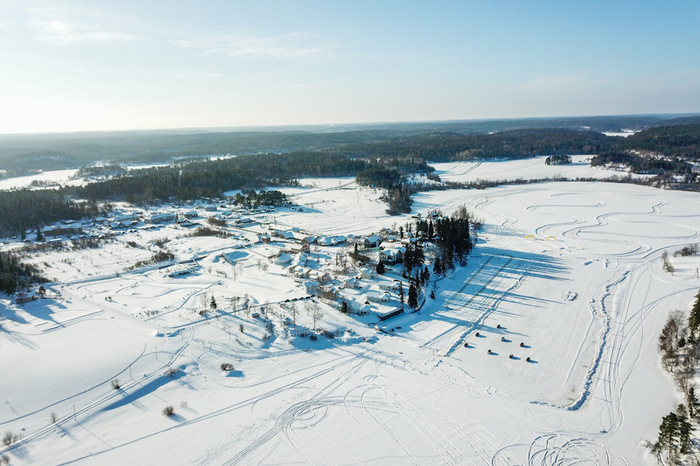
437 267
694 318
212 304
692 403
674 436
418 256
412 296
381 268
402 297
417 280
408 260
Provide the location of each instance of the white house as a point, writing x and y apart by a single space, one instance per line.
162 218
378 296
392 255
367 272
353 283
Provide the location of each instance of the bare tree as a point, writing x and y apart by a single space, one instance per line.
316 315
668 267
294 313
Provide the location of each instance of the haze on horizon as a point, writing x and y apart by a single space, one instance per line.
89 66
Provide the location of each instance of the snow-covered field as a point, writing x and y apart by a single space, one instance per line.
526 169
50 178
567 274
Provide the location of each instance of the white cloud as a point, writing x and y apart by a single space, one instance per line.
293 45
59 32
69 25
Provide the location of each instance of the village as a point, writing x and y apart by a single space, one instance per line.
234 260
213 308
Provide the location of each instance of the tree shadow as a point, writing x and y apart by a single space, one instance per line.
150 387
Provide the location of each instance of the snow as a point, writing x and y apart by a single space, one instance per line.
570 269
524 169
51 178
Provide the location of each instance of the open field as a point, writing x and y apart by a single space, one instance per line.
570 270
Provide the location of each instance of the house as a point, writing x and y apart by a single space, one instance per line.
311 287
353 283
378 296
368 272
233 257
330 293
306 240
180 270
301 260
264 238
372 241
389 285
63 230
299 272
392 255
289 235
162 218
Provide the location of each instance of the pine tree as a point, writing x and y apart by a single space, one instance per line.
437 267
418 256
694 318
212 304
692 403
401 294
408 260
381 268
412 296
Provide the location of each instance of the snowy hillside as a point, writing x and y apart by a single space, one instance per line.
540 351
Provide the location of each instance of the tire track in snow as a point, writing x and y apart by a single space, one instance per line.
296 411
95 404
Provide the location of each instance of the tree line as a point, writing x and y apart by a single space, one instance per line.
16 276
379 158
32 209
679 345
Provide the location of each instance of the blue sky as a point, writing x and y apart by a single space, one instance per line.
98 65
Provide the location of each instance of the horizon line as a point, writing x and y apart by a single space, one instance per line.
263 128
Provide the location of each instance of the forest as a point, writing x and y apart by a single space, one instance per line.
380 157
14 275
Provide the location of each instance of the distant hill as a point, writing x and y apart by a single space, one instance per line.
58 151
